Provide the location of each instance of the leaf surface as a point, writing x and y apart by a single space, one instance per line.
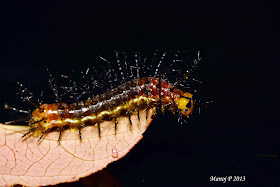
25 161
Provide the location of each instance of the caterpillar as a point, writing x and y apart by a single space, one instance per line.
132 86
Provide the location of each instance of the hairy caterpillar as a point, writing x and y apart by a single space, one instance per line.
130 88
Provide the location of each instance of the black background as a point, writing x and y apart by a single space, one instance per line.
237 135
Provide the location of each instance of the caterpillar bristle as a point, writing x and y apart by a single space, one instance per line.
27 96
6 106
16 121
53 86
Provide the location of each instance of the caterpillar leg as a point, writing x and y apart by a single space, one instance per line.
116 122
129 117
99 132
147 112
60 130
138 114
80 134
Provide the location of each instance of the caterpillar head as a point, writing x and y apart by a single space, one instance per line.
185 103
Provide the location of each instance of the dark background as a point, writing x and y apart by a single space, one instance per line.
237 135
